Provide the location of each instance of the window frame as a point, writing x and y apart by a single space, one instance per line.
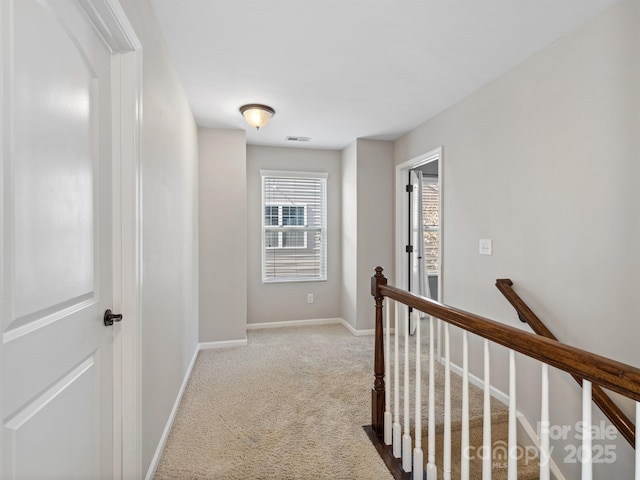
322 228
280 224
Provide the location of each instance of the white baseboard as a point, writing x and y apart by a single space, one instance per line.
525 426
357 333
223 344
478 382
172 416
294 323
315 321
531 433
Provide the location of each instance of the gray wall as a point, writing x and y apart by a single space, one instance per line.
223 235
545 161
169 159
276 302
367 219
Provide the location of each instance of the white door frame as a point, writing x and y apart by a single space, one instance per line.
115 28
402 218
402 214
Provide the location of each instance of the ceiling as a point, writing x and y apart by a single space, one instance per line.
337 70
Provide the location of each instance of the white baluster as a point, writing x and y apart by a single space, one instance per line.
446 461
418 457
464 440
545 454
397 431
486 422
388 419
637 441
513 440
432 471
406 436
587 473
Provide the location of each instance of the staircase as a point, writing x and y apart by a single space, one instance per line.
528 467
405 450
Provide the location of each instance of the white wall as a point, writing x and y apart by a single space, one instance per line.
223 235
349 233
277 302
169 160
545 161
367 218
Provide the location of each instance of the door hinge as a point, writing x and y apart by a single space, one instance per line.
409 188
408 249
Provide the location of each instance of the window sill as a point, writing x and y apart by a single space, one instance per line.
292 280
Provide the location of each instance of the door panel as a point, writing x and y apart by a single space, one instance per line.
53 177
29 433
57 379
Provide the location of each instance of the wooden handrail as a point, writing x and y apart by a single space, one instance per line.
623 423
525 314
619 377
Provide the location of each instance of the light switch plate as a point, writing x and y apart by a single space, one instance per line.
485 246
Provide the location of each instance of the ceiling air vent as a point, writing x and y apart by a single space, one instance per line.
298 139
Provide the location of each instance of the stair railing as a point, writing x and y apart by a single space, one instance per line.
623 423
385 424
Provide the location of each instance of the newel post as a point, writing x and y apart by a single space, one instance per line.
377 393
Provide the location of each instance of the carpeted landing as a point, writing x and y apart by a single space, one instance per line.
291 405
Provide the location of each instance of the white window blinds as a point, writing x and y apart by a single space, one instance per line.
294 226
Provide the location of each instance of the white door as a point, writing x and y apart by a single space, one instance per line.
418 281
57 354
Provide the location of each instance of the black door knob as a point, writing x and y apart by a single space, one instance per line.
110 317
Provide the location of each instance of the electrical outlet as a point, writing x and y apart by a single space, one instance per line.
309 297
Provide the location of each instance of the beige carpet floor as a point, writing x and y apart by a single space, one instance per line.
290 405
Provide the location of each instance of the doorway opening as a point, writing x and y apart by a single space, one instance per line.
424 221
419 225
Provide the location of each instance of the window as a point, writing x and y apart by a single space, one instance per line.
431 221
294 226
281 216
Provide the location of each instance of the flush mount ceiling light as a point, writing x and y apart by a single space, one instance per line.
257 115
